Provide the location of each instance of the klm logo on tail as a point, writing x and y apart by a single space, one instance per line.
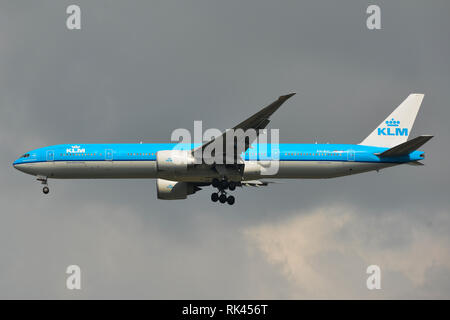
392 129
396 128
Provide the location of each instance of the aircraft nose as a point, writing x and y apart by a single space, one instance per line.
18 164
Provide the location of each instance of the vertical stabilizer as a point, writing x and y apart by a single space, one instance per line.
395 129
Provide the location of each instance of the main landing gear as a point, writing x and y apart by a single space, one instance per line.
221 196
43 181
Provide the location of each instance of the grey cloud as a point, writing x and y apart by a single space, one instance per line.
326 251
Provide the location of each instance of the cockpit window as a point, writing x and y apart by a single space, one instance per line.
26 155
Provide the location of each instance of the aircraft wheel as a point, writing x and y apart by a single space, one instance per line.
214 197
224 184
215 182
232 185
230 200
45 190
222 198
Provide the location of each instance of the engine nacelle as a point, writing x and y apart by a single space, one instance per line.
257 169
252 170
174 190
174 161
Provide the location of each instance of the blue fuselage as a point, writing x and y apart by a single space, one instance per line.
147 152
291 161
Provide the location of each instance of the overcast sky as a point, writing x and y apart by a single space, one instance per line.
139 69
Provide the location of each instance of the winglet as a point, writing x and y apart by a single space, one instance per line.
287 96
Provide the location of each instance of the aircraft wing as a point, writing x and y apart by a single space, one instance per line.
257 121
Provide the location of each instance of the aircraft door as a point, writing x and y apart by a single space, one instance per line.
109 154
350 155
50 155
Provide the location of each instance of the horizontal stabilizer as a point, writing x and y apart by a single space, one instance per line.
406 148
415 163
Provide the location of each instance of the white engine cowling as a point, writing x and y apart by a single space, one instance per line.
174 190
252 170
175 161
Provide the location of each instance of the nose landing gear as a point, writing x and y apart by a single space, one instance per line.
43 181
221 195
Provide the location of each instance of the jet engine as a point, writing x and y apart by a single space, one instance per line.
174 161
252 170
174 190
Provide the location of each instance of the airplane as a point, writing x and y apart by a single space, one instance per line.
178 175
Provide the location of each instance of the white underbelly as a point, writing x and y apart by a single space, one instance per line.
314 169
148 169
95 169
